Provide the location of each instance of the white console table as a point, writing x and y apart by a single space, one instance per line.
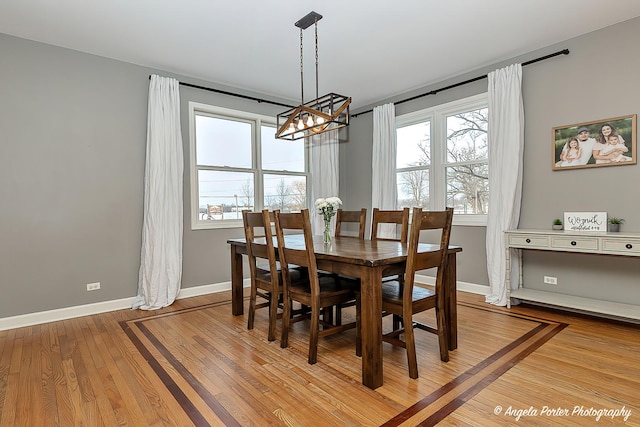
603 243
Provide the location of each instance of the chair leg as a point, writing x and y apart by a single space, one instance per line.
358 326
286 319
397 322
327 314
313 335
252 306
443 335
410 343
273 315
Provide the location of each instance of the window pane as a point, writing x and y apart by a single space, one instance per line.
413 144
285 192
468 188
223 142
467 136
281 155
413 188
223 195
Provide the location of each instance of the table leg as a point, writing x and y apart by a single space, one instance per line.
452 301
237 295
371 326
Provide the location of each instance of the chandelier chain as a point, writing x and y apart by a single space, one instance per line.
301 72
316 58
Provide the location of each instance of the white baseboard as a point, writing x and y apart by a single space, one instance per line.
472 288
101 307
64 313
124 303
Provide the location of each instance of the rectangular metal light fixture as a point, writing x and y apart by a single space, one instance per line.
326 113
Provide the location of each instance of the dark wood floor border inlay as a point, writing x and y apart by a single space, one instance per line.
188 407
551 327
546 327
486 381
202 391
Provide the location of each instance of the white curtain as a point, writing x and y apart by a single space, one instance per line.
384 193
161 254
506 146
325 173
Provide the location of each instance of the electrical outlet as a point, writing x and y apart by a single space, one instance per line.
93 286
550 280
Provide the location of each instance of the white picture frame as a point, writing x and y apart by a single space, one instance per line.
585 221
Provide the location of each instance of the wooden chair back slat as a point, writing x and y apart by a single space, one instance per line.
396 217
302 255
423 221
356 217
259 245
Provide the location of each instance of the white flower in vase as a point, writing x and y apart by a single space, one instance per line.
328 208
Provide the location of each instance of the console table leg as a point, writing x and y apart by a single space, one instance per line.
507 279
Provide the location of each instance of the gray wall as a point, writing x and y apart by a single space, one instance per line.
72 138
597 80
72 132
72 151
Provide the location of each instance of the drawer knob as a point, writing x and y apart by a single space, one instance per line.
573 243
628 246
528 240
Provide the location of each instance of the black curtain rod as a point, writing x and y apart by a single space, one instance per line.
433 92
475 79
224 92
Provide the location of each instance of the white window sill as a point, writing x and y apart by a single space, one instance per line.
214 225
470 220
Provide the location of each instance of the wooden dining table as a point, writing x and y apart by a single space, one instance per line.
370 261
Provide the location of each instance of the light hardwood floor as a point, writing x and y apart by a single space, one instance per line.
195 364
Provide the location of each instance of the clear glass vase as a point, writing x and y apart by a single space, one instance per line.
326 235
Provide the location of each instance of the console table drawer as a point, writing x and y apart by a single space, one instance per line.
528 241
618 246
575 243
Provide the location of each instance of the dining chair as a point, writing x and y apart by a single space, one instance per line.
266 281
347 217
394 217
403 299
319 293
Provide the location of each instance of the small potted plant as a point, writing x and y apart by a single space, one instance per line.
557 224
614 224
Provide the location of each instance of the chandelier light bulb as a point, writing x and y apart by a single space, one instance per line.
300 124
320 120
292 128
310 121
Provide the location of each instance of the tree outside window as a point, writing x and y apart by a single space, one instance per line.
442 158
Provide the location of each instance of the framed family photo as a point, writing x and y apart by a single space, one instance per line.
607 142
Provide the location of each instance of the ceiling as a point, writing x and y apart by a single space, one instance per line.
368 49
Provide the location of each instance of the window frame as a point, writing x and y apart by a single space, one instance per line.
437 116
257 121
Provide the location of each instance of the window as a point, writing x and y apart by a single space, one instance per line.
442 159
237 164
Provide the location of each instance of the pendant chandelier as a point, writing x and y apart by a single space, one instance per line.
324 113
